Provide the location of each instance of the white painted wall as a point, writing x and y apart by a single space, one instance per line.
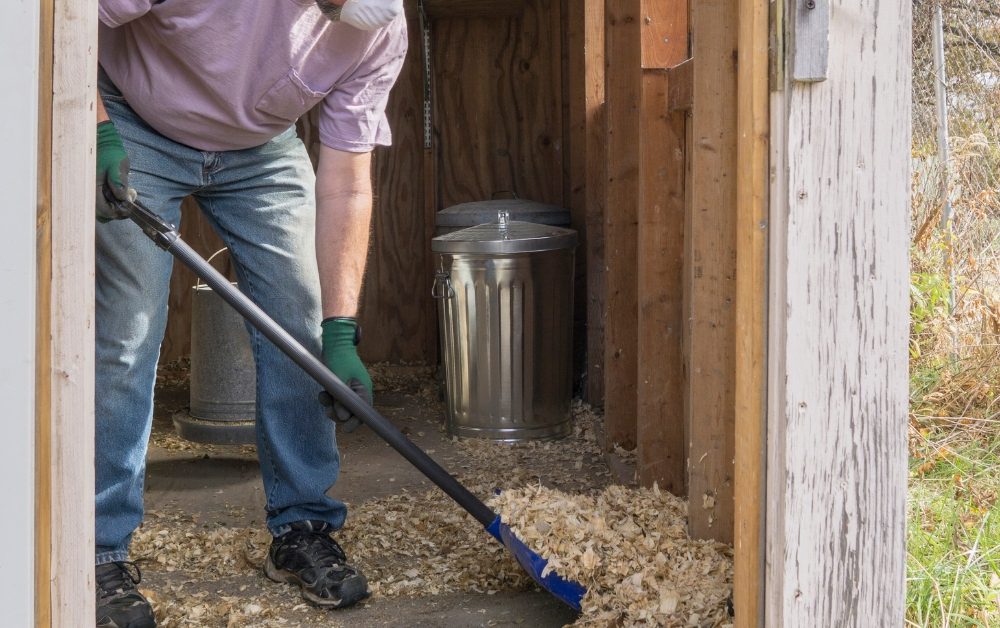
839 328
18 187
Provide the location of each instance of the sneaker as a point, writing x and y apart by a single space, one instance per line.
308 556
119 603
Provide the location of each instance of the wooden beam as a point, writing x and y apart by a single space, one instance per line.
583 95
597 167
680 86
751 311
838 330
660 390
664 33
43 332
74 90
623 98
710 262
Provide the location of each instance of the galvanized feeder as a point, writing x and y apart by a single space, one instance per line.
223 375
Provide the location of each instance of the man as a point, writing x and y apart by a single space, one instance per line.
200 98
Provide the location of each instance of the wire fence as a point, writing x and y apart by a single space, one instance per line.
955 287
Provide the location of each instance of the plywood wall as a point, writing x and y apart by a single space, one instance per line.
498 126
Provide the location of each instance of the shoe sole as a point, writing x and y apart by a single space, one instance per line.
353 589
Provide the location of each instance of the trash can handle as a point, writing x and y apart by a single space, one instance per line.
442 286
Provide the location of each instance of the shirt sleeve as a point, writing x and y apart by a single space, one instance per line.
352 116
114 13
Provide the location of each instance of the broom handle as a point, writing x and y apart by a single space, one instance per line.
166 237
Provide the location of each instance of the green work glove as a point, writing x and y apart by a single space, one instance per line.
340 354
112 172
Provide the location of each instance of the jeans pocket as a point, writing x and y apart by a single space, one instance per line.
288 98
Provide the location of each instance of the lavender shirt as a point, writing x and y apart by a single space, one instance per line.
232 74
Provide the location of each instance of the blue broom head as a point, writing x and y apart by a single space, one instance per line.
569 591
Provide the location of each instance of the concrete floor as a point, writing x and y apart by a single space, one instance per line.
224 487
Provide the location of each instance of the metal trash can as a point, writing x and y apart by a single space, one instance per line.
505 306
463 215
223 375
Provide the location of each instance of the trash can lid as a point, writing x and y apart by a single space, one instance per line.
505 236
479 212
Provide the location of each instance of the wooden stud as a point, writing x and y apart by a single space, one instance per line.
623 100
43 332
71 375
751 311
660 390
664 33
680 86
711 265
584 94
597 166
839 329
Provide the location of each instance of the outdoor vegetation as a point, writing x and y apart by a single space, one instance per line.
953 566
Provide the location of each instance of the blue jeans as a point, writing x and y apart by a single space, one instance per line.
261 201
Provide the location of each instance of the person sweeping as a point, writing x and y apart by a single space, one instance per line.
200 99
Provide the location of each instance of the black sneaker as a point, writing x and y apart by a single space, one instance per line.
308 556
119 603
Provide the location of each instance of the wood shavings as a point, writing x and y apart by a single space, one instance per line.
417 544
630 548
417 380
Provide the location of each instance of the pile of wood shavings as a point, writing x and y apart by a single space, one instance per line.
630 548
421 543
204 554
575 463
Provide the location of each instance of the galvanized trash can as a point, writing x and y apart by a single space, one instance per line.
505 306
223 375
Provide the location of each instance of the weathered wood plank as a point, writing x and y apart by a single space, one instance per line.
680 86
711 265
837 460
74 90
660 390
751 312
623 99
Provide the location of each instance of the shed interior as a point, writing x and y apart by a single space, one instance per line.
597 106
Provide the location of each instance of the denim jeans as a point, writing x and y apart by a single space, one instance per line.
261 201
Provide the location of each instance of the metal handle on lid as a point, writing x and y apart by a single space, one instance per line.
503 218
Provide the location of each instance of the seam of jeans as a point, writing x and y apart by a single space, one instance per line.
256 348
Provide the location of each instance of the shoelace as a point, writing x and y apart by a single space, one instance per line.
326 552
111 581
